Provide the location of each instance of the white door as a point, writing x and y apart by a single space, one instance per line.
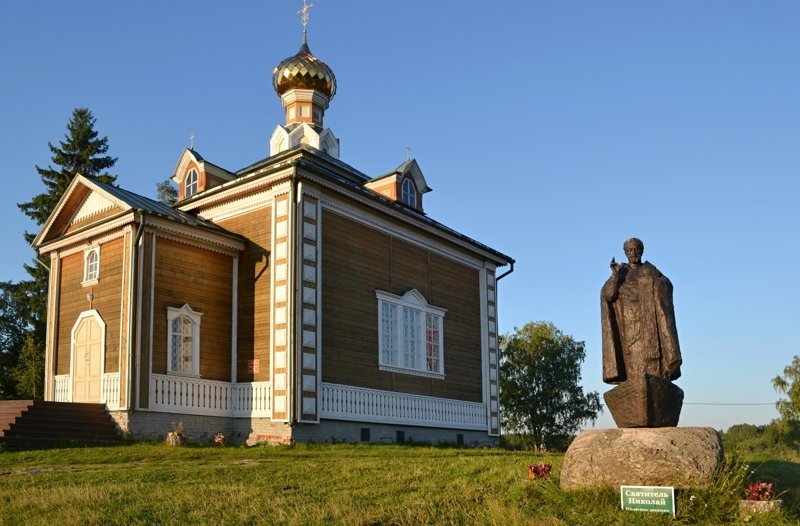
87 352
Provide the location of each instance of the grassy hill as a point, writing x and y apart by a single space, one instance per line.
323 484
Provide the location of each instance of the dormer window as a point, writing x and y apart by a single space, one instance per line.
409 193
190 187
91 266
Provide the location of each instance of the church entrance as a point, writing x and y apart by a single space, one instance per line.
87 356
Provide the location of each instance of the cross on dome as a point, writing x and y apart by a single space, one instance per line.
304 16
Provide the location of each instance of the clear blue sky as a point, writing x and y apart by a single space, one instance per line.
551 131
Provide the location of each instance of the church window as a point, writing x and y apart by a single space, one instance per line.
410 338
190 188
91 266
183 341
409 193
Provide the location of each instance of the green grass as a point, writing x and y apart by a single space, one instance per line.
324 484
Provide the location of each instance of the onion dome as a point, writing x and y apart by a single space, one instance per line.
304 71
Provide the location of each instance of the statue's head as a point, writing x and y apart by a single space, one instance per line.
634 248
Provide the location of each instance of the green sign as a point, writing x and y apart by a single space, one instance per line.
655 499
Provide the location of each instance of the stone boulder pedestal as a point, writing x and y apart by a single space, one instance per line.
682 457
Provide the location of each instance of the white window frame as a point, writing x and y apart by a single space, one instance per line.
415 364
188 183
408 192
187 312
94 277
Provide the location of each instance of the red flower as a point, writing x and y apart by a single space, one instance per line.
759 490
539 471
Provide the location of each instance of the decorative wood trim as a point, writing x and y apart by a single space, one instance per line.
61 389
279 343
494 364
191 243
98 205
237 207
408 220
346 402
213 240
196 396
225 194
484 345
309 349
411 372
110 390
88 244
380 224
77 180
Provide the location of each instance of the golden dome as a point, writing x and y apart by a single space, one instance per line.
304 71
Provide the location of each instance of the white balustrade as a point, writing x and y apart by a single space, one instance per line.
345 402
252 399
109 390
62 388
196 396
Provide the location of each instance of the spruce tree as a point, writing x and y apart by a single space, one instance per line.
80 152
166 192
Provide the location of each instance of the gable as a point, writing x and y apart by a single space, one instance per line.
209 175
84 203
93 208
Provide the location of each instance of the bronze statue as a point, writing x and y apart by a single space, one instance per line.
640 343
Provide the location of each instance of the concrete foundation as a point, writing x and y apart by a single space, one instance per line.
149 425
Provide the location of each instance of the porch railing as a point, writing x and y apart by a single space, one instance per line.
345 402
197 396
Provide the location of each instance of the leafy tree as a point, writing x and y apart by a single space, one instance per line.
789 384
539 390
12 335
166 192
29 372
24 304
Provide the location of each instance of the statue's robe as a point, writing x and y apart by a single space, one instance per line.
638 322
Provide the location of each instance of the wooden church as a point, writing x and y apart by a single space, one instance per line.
295 299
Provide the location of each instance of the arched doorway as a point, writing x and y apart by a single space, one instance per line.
88 353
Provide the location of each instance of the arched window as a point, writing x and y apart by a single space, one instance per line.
410 335
409 193
91 266
183 341
190 187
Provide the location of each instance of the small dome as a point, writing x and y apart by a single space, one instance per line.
304 71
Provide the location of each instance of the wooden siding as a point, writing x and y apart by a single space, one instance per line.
202 279
107 298
357 261
254 293
388 189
